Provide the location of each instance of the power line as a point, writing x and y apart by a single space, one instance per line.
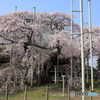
75 4
68 7
59 5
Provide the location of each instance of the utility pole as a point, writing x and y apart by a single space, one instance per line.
39 63
11 55
90 33
71 30
87 69
82 43
82 48
55 74
57 69
58 46
32 49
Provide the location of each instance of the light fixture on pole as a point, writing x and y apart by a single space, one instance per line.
15 8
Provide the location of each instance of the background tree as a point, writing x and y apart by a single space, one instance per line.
98 63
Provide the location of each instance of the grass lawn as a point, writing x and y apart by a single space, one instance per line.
55 93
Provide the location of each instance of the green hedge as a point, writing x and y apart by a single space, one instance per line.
96 84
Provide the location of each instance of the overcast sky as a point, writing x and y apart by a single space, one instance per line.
7 6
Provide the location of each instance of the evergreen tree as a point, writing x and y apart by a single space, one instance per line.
98 63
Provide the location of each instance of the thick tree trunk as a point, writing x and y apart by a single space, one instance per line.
45 76
49 65
4 58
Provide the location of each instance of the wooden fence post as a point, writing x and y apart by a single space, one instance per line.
25 95
47 92
6 96
68 92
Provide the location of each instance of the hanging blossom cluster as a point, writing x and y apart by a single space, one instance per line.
69 46
31 41
45 30
95 31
